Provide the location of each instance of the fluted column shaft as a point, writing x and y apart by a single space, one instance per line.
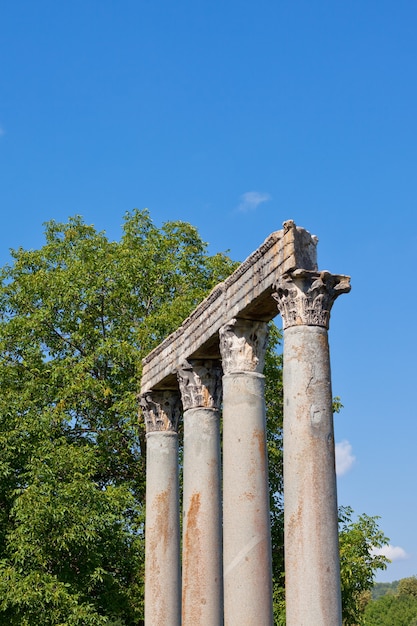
246 522
312 569
202 596
162 536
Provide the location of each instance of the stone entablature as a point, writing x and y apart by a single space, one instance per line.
247 293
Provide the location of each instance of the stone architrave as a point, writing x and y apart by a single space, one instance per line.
246 522
202 586
244 294
161 410
312 571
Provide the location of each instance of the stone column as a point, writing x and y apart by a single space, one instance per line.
202 592
312 570
162 537
246 521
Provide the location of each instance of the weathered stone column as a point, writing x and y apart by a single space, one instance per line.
202 588
246 522
312 571
162 537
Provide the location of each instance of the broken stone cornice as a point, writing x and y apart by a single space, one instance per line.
245 293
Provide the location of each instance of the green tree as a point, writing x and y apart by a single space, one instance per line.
358 561
398 606
274 414
407 587
76 318
391 609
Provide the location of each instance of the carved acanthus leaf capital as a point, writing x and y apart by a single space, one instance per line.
200 384
161 410
306 297
242 345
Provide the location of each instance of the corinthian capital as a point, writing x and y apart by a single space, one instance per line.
200 384
161 410
306 297
242 345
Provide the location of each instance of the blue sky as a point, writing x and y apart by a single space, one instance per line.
236 116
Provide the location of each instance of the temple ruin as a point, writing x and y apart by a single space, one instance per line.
212 362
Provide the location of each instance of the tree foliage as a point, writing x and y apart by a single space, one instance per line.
391 609
408 587
76 318
398 606
274 414
358 561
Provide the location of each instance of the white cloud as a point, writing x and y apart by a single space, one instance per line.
250 200
1 131
344 457
393 553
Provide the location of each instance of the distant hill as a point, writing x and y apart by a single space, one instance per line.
382 589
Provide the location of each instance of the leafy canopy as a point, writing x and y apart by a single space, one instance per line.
76 318
397 606
358 561
391 609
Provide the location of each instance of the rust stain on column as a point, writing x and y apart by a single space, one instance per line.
162 504
193 576
161 539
